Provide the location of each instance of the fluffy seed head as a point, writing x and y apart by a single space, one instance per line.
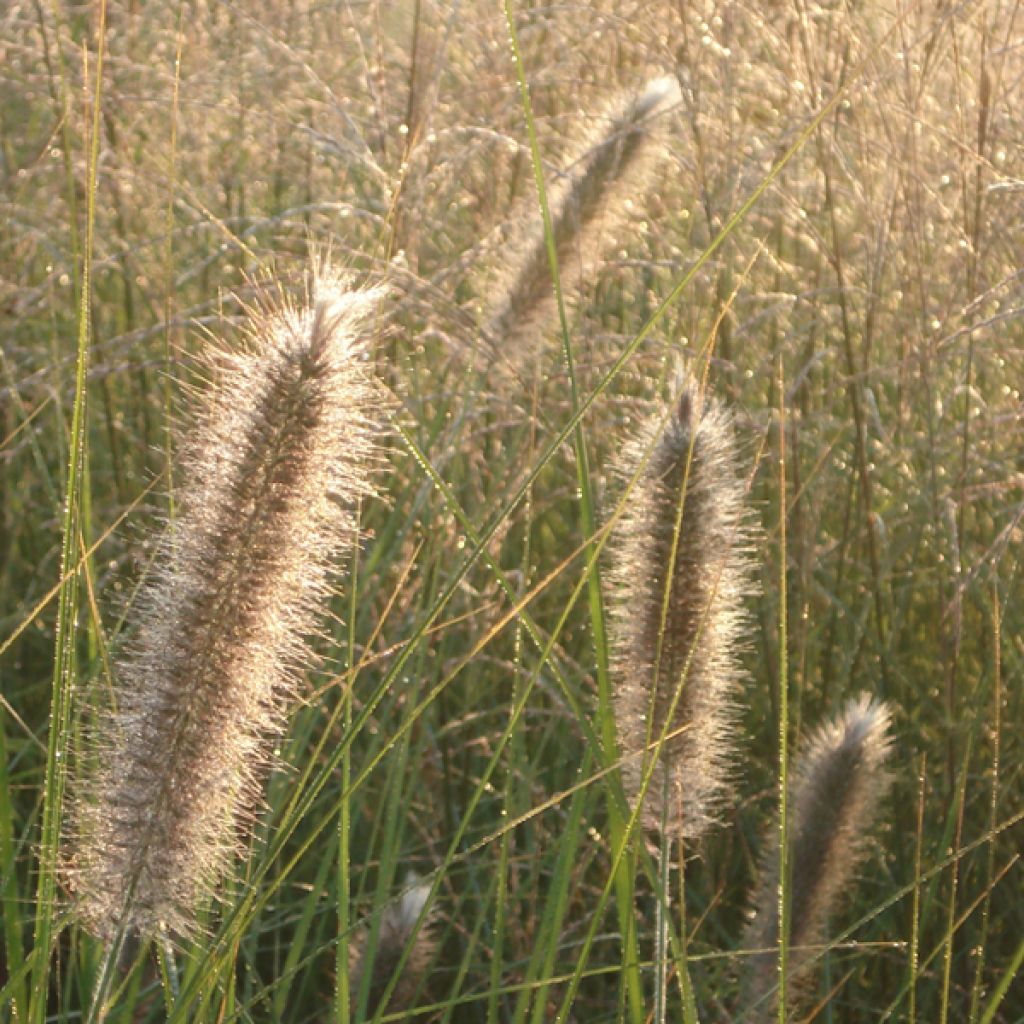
395 932
682 571
839 783
269 475
611 164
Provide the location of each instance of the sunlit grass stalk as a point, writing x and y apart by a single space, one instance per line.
663 909
914 956
954 883
782 896
9 902
1002 987
343 958
997 726
686 990
169 306
270 473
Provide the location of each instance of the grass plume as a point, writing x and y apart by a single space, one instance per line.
682 571
381 959
278 457
840 780
611 165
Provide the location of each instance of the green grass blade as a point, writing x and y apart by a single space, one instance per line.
65 667
1000 991
12 930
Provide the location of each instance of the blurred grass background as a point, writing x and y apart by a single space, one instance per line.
881 269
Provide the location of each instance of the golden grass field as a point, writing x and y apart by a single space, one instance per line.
704 312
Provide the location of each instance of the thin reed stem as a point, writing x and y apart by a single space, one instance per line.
782 895
65 660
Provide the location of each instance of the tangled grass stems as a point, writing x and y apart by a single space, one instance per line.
279 455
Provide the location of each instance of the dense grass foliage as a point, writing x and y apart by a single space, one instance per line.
825 227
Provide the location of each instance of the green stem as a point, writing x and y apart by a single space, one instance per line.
783 712
624 877
67 606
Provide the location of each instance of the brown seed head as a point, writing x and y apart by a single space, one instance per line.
839 783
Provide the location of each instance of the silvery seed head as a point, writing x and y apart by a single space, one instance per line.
682 571
270 473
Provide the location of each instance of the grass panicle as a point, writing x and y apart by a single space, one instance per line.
611 166
380 960
839 782
681 571
280 453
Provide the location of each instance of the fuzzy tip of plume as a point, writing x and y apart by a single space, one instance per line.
610 165
840 780
280 452
681 571
397 924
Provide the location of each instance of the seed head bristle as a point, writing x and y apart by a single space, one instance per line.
839 783
279 454
682 572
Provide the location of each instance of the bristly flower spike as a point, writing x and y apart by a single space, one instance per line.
395 932
682 571
839 783
279 455
611 165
